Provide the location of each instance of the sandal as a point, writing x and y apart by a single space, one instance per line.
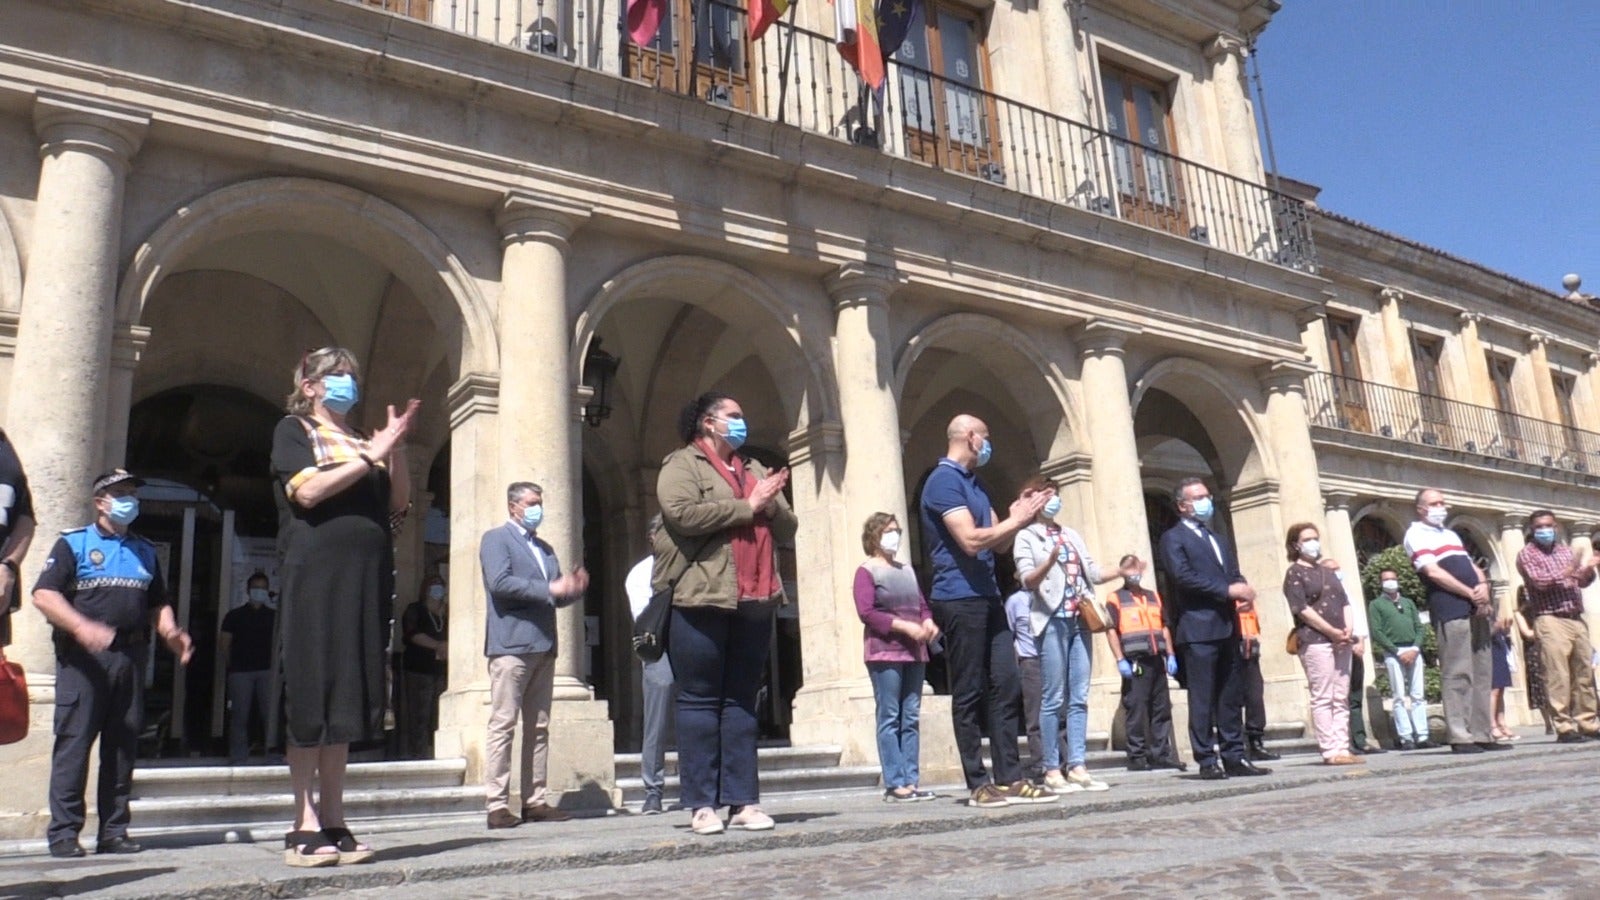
350 850
297 847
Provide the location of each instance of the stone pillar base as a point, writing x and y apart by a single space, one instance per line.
463 727
583 772
845 714
25 777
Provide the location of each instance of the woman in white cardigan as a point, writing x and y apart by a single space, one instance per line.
1055 567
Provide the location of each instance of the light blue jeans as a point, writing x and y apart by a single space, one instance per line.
1064 660
1409 724
897 686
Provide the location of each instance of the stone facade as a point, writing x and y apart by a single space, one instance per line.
194 197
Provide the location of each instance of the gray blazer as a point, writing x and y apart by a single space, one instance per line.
521 613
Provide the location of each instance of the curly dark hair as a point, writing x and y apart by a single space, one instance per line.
699 408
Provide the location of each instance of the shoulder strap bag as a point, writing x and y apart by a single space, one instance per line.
650 629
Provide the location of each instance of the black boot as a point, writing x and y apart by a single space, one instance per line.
1256 749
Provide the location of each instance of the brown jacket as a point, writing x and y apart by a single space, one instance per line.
698 505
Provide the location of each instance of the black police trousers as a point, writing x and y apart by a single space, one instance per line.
97 695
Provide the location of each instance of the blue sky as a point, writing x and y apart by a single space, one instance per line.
1471 126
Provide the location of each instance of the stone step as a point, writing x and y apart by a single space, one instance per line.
230 817
215 781
776 781
772 760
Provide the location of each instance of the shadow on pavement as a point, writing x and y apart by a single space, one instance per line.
795 817
71 887
418 851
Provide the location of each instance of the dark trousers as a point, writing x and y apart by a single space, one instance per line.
1358 720
1032 692
1216 696
719 657
247 691
1147 711
1255 699
984 685
419 712
97 695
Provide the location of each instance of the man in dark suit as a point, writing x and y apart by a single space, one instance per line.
1208 592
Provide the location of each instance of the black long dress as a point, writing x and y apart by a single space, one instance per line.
338 587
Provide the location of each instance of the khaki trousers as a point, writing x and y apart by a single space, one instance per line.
519 685
1465 673
1568 677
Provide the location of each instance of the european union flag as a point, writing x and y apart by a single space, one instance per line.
894 20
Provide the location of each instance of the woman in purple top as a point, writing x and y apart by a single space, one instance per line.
899 626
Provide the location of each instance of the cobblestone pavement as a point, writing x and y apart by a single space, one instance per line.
1522 824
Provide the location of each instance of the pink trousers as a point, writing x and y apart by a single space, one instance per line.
1328 670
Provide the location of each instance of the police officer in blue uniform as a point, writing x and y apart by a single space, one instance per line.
101 589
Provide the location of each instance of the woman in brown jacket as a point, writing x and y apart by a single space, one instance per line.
722 516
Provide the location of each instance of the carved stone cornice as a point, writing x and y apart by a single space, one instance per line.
862 284
1070 468
1285 375
1223 45
1391 294
820 440
1104 337
525 217
1338 500
474 393
108 130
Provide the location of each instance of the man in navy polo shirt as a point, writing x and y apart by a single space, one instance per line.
101 589
958 526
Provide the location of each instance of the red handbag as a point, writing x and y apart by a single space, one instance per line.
13 701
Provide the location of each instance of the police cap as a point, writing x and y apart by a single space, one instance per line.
115 477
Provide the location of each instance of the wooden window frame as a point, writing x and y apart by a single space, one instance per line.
1348 386
1138 204
665 66
941 147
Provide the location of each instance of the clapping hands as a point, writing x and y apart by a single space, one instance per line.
393 434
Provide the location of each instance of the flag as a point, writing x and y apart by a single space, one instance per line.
894 20
763 13
644 20
857 39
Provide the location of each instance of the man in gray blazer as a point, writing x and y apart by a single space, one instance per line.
525 585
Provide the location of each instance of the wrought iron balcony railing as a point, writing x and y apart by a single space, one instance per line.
1348 404
796 76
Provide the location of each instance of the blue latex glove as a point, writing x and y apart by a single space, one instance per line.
1125 667
1172 665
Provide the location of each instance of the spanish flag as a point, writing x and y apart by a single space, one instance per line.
857 39
763 13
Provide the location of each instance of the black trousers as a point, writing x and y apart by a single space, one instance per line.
1147 710
984 685
1216 696
1358 683
97 695
1255 699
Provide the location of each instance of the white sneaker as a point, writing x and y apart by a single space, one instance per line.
706 821
1055 784
1086 782
750 818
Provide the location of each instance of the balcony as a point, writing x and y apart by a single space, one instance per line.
1362 407
797 77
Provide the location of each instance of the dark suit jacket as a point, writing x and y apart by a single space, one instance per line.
1199 585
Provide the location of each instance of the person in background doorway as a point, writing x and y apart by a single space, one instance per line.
1500 646
424 667
246 646
16 533
1360 633
1533 661
1019 615
660 689
1397 634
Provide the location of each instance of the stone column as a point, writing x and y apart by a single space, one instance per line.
1241 146
60 374
1479 388
539 441
1511 543
1289 442
1120 526
1544 387
1401 367
1339 542
127 348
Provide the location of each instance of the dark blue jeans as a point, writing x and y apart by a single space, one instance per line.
719 657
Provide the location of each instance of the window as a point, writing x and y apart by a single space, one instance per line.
713 32
1345 366
1141 150
1426 355
1509 440
944 78
415 9
1565 385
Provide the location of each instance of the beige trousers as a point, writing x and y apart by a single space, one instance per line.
1568 677
519 685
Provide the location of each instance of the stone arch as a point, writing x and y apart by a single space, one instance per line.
1213 397
1018 357
10 268
1483 534
340 213
728 292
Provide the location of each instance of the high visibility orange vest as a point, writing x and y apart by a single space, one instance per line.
1250 632
1139 624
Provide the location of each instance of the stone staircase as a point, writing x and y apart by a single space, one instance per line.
784 770
1284 738
203 804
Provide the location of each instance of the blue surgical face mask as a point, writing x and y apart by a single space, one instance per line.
985 452
1133 579
340 393
436 591
258 595
532 516
1052 507
1203 509
1545 536
123 510
738 431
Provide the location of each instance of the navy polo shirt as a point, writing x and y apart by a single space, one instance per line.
955 574
110 578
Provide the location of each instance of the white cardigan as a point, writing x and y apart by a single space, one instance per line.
1033 548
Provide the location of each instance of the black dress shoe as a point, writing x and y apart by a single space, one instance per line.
1138 765
1212 772
122 844
1258 750
67 849
1571 737
1358 750
1173 763
1407 745
1491 745
1428 745
1243 769
1466 748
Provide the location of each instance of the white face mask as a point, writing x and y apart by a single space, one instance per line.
1390 585
1311 549
1437 515
890 542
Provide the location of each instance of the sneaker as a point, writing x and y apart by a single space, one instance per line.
890 795
987 797
652 806
1024 792
706 821
1055 783
1081 777
750 818
919 794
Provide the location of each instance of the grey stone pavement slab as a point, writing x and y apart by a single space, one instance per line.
1523 823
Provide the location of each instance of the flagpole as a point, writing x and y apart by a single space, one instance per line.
783 64
696 14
